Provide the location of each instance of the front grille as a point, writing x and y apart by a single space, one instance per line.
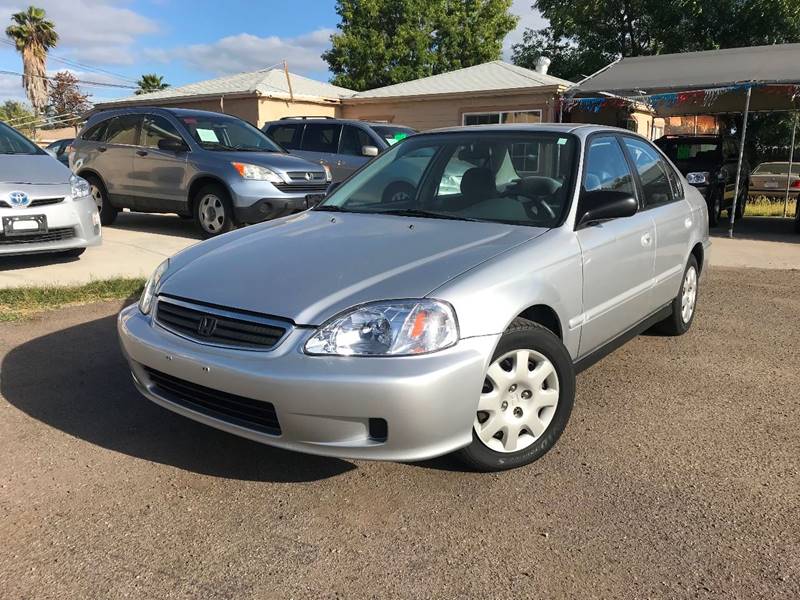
237 410
220 327
300 176
36 202
318 187
54 235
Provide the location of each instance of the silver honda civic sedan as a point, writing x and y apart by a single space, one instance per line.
451 318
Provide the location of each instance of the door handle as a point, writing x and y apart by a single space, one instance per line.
647 239
141 153
102 149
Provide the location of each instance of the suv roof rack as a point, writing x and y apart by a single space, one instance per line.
307 117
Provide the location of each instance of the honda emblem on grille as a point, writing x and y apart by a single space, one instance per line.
206 326
309 176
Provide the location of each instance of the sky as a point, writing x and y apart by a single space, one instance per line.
116 41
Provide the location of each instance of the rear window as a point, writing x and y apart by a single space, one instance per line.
391 134
690 149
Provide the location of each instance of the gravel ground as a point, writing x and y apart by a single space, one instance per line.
677 477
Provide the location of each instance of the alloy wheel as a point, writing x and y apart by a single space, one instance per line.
211 212
518 401
689 296
98 197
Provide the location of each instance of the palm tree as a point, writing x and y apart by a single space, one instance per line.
33 36
150 82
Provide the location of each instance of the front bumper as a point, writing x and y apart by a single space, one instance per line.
80 215
257 201
324 404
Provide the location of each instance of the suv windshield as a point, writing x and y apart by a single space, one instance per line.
220 132
520 178
13 142
687 149
392 135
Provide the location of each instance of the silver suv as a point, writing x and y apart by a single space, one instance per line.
215 168
453 318
343 145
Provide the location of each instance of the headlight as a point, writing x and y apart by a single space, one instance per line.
397 328
697 178
79 186
256 172
151 287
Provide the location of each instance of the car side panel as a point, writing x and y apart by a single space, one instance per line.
674 222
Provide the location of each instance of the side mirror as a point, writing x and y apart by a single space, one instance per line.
369 151
51 152
172 145
604 205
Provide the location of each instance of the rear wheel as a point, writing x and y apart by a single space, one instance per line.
684 304
108 213
525 402
213 211
714 208
741 202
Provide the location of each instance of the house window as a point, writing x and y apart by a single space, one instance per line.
502 117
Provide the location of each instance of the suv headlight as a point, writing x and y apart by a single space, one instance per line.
394 328
257 172
79 187
697 178
151 287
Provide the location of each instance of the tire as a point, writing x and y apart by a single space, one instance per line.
108 213
398 191
714 209
213 211
797 220
741 202
678 323
73 253
514 410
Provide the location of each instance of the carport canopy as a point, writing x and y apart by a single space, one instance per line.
734 80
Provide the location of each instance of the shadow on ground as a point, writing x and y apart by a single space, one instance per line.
28 261
767 229
77 381
164 224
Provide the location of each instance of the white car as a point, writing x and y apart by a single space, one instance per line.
43 206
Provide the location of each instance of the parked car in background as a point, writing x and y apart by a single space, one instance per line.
59 150
342 144
43 206
709 163
215 168
452 318
770 179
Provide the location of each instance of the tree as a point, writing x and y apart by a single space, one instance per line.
67 103
33 35
382 42
18 115
584 35
150 82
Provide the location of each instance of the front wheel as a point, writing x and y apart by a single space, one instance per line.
108 213
526 400
213 211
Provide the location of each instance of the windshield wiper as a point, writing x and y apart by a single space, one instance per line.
332 208
415 212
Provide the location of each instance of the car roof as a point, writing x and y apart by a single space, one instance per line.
312 119
156 110
582 130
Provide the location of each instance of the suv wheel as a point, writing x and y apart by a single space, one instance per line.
714 208
741 202
213 211
525 402
684 304
108 213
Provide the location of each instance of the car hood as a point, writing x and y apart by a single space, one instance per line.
32 169
273 160
311 266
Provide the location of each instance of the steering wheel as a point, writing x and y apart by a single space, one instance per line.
529 202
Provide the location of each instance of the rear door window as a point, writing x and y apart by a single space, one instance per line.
96 133
156 128
288 135
124 130
321 137
353 140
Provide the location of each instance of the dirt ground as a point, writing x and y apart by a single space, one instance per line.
677 477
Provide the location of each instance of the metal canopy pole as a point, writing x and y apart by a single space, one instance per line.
739 165
789 172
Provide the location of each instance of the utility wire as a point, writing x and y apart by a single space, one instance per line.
84 82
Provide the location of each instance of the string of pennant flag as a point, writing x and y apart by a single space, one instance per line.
704 97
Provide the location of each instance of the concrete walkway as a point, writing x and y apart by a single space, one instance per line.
137 243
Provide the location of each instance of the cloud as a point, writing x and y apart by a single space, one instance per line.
247 52
529 18
93 31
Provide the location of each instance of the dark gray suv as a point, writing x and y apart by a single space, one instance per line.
215 168
341 144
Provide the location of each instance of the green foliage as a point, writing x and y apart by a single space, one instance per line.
150 82
584 35
18 115
382 42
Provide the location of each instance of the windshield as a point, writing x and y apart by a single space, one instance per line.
776 169
520 178
392 135
13 142
220 132
690 149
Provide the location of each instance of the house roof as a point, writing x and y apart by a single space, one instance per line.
269 82
692 70
487 77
